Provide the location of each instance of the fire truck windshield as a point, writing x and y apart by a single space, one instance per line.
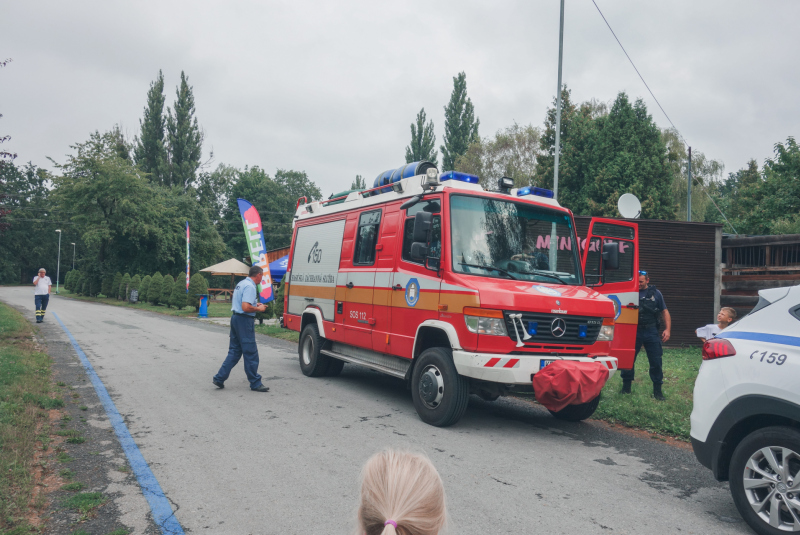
506 239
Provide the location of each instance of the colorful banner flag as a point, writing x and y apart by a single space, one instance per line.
254 235
187 257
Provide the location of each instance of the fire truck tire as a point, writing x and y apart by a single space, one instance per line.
576 413
334 367
312 362
440 394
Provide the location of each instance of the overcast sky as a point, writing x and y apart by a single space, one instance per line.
332 87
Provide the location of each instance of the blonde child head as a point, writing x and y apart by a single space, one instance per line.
401 493
729 312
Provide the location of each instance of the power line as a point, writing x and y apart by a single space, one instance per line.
702 186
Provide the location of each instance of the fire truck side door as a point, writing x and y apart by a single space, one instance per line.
384 273
358 308
620 285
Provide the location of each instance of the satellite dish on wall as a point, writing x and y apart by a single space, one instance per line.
629 206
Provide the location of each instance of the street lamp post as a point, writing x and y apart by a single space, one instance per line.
73 256
58 266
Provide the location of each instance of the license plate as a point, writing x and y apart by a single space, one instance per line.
543 363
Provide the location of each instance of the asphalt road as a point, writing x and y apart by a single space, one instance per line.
234 461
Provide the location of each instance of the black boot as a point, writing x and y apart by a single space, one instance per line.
626 387
657 393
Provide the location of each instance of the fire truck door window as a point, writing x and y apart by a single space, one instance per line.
593 258
627 252
367 238
435 246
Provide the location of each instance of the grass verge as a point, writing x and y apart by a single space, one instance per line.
216 310
276 331
24 395
640 410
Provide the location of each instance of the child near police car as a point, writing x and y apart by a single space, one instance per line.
726 316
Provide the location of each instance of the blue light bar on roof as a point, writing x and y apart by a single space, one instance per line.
533 190
461 177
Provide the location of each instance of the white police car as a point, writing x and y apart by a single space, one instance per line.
746 415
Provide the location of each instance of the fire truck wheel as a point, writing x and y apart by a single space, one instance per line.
576 413
312 362
334 367
440 394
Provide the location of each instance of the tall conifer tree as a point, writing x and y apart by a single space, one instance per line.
184 136
423 141
150 153
460 124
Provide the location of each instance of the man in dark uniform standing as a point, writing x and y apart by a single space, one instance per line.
243 335
651 304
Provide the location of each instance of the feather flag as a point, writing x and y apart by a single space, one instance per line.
254 235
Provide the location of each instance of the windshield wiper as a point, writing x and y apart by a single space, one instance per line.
490 268
543 274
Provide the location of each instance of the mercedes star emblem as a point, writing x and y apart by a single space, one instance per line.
558 327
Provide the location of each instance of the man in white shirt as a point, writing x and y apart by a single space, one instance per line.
41 294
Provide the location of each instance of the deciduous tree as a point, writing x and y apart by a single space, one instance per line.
423 141
511 153
460 123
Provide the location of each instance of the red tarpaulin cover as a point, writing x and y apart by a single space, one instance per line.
567 382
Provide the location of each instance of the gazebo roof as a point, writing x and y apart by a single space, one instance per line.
228 267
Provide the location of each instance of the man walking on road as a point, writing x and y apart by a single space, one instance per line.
41 294
651 304
243 334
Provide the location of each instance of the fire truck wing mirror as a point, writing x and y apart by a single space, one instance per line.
610 256
419 250
432 263
422 226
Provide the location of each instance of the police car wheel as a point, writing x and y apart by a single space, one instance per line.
440 394
578 412
312 362
765 480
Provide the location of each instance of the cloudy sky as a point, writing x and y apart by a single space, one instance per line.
332 87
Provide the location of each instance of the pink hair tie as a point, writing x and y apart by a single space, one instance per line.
392 522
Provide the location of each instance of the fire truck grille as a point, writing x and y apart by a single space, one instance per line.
582 330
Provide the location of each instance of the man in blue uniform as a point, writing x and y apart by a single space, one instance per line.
651 304
243 334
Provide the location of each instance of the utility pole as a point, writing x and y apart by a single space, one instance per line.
58 268
553 235
689 198
73 256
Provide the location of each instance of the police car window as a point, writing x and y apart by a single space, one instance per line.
367 238
436 239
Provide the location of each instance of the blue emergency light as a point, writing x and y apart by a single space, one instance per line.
533 327
461 177
533 190
582 330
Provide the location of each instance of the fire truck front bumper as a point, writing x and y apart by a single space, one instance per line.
514 369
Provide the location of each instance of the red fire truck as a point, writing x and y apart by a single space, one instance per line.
430 278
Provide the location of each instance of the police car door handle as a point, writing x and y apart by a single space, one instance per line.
349 285
397 287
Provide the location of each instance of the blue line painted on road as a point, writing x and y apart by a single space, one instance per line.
159 504
762 337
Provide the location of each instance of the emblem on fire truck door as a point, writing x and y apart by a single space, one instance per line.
412 292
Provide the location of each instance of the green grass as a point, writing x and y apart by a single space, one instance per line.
72 486
120 531
640 410
85 502
25 389
215 309
277 332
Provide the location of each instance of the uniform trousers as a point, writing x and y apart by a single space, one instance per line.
650 338
242 343
41 305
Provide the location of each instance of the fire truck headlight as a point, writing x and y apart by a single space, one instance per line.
606 333
481 325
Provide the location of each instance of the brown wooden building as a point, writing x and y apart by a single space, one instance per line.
683 261
753 263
